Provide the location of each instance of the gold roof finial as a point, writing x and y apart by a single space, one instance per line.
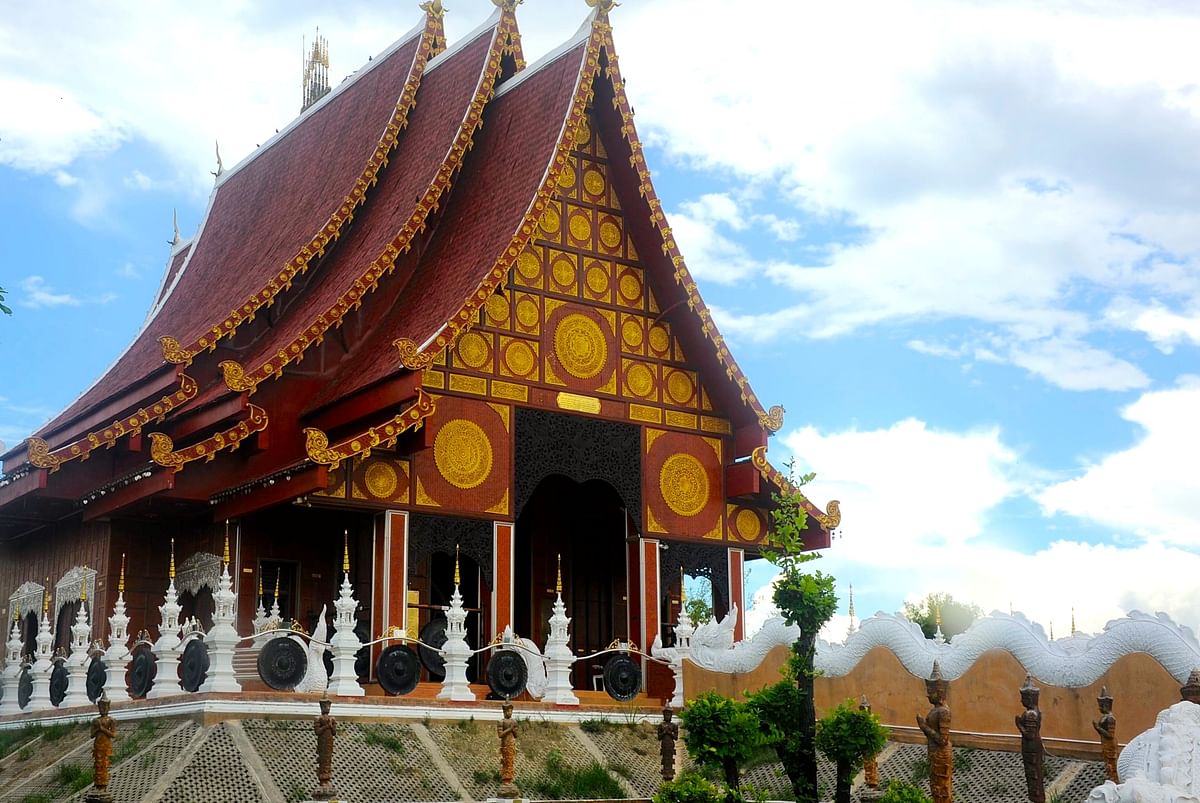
346 551
558 580
433 8
83 586
507 5
171 571
602 7
225 557
121 581
457 573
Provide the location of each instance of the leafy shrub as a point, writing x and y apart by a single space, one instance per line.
721 733
689 787
562 782
848 736
902 792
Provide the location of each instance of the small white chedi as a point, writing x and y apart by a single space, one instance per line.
1161 765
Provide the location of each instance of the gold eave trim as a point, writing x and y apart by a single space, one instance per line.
163 452
316 442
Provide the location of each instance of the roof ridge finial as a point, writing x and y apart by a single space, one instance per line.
315 71
602 7
220 164
175 238
433 9
509 6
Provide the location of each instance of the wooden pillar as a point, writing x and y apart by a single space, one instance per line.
650 585
503 575
389 575
737 592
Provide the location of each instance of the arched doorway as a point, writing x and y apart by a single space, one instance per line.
586 523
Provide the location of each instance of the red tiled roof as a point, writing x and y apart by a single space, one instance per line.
262 213
444 103
503 174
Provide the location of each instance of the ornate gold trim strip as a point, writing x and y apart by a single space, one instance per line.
770 421
174 352
829 520
162 448
504 40
316 442
41 456
411 355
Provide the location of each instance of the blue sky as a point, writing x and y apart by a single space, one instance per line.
959 242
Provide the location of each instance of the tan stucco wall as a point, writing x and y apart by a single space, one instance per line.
983 701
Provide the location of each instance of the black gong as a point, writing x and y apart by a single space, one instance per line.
97 676
24 688
142 672
194 665
60 679
362 658
433 634
282 663
507 674
398 669
622 678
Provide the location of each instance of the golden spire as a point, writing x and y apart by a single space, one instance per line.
225 557
682 593
260 584
457 573
121 582
83 586
852 605
1072 620
278 574
558 581
937 615
171 572
46 598
346 551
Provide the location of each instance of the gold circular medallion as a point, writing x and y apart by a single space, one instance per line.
597 279
497 309
679 385
593 182
684 484
610 234
528 265
550 221
566 178
527 312
659 340
563 271
631 287
748 525
381 480
519 357
580 346
640 380
474 350
632 333
581 227
462 453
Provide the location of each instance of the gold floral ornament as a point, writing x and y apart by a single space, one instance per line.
463 453
411 356
163 451
602 6
773 419
832 517
684 484
40 456
507 5
434 9
316 442
580 346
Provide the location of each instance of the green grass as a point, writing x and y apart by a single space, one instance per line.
36 798
485 777
73 777
134 742
54 733
378 736
561 782
594 726
12 739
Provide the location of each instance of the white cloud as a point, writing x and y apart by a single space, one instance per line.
1073 365
917 507
36 294
1150 488
129 271
1164 328
45 127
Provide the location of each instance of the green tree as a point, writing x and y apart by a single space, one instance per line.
699 611
722 734
4 309
806 599
689 787
779 710
956 616
903 792
848 736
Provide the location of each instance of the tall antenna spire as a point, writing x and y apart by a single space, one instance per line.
315 74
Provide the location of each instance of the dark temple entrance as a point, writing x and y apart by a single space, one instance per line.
586 524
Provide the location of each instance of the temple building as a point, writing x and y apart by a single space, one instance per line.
441 313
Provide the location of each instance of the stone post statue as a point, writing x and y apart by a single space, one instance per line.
1029 723
936 727
668 734
1106 726
104 732
325 727
870 765
506 729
